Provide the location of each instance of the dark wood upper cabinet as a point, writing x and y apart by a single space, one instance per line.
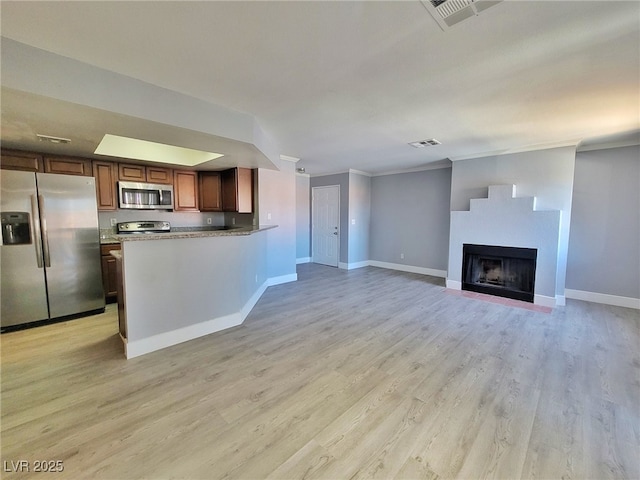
159 175
106 174
68 166
185 191
141 173
17 160
237 190
132 173
210 191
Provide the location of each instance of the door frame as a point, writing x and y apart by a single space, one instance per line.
313 206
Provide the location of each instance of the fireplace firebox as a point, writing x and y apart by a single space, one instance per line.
503 271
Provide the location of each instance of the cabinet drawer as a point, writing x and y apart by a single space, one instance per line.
105 249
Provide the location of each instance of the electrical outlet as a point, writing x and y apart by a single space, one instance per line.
353 221
209 221
269 216
402 256
114 221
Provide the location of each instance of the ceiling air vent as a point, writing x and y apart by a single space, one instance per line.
450 12
50 139
425 143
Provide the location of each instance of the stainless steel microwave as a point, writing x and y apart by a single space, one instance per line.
145 196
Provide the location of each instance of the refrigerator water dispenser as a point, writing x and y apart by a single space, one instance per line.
15 228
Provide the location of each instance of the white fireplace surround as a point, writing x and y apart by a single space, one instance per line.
509 221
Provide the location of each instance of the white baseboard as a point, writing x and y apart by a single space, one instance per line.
191 332
292 277
180 335
351 266
246 310
561 300
453 284
409 268
627 302
303 260
544 301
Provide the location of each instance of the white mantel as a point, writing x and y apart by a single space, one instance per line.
506 220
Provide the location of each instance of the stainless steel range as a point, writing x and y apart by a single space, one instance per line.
145 226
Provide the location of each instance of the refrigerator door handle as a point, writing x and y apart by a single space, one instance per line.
35 227
45 234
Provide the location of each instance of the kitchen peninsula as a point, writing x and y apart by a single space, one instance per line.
182 285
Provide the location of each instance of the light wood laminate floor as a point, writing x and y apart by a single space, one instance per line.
368 373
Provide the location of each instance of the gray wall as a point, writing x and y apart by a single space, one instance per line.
544 174
341 179
359 217
604 246
277 198
410 215
303 217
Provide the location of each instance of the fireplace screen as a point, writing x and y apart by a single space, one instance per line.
503 271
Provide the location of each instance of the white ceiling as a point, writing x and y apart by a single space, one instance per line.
348 84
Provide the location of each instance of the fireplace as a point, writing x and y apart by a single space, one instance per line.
503 271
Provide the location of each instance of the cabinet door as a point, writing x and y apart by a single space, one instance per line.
230 190
106 192
109 272
245 190
109 276
132 173
159 175
185 190
17 160
68 166
210 191
237 190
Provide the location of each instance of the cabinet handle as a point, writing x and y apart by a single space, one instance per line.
35 227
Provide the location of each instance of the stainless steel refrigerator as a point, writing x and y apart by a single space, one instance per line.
50 252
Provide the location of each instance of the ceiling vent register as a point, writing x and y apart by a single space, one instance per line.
425 143
449 12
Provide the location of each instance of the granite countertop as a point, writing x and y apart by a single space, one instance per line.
189 232
108 239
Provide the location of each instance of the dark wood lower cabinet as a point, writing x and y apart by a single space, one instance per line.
122 312
109 272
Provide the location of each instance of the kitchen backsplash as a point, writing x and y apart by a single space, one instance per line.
177 219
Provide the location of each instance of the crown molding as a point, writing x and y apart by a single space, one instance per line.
287 158
607 145
440 164
360 172
527 148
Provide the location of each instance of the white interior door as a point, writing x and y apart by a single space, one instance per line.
325 223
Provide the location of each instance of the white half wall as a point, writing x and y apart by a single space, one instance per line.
505 220
546 175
